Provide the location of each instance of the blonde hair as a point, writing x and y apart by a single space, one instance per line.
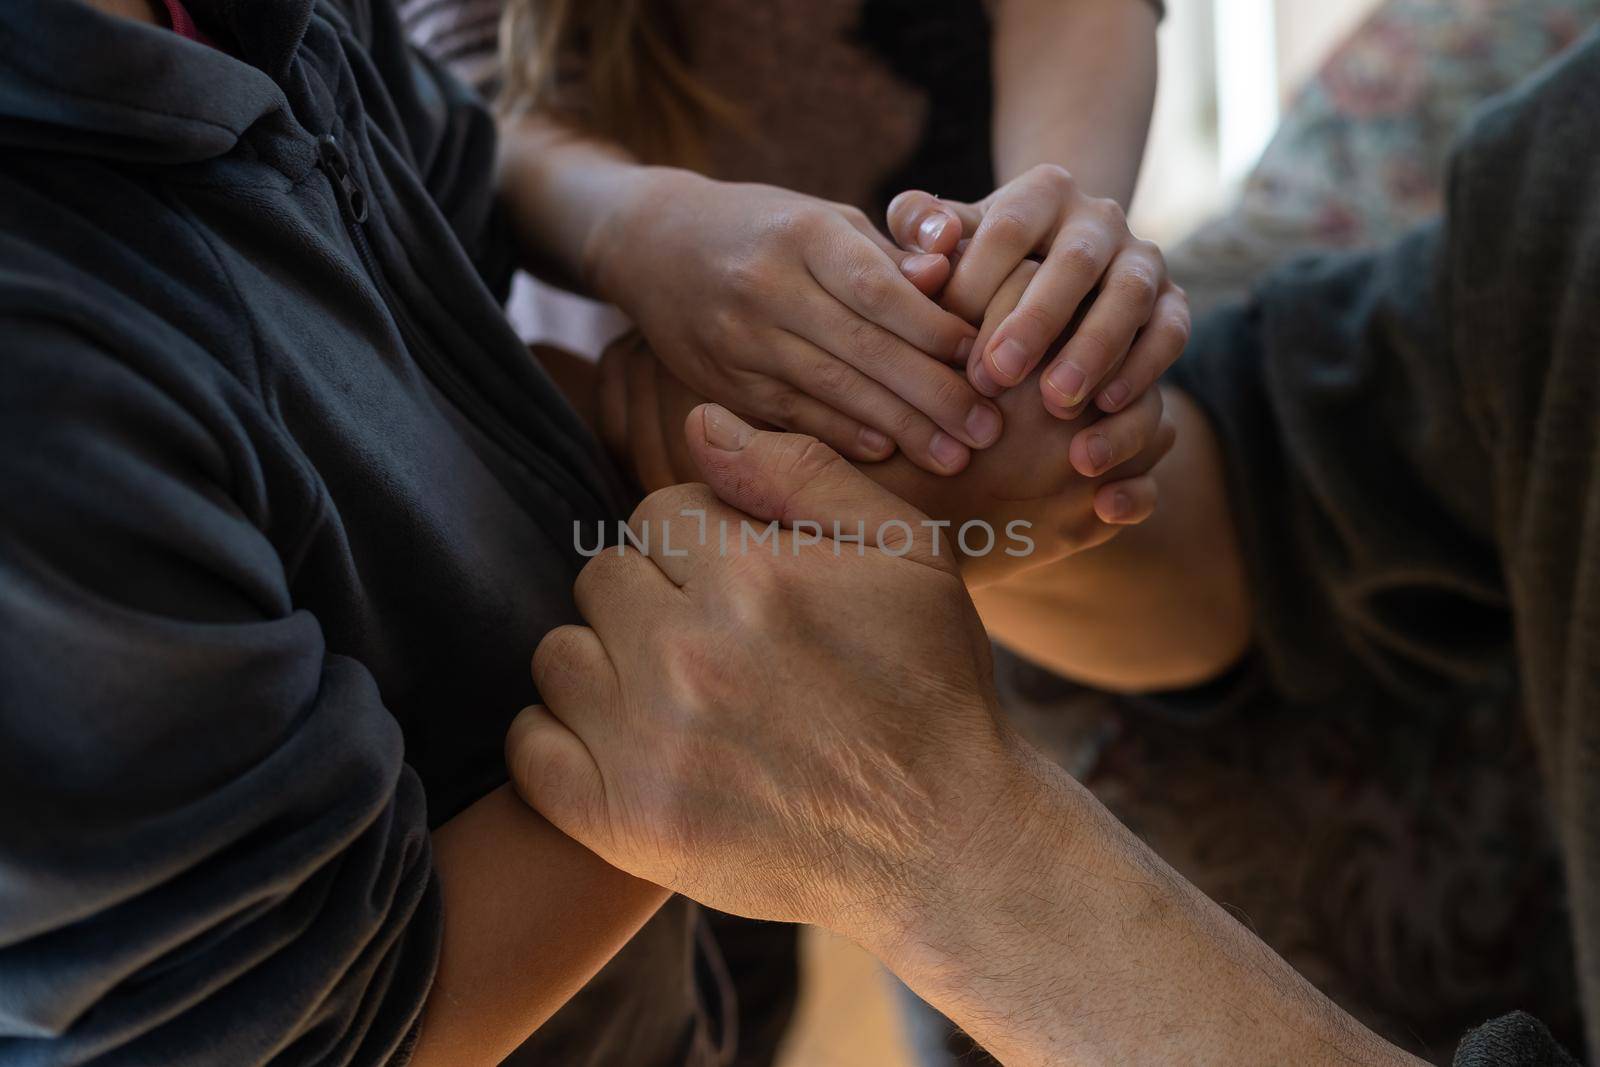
615 68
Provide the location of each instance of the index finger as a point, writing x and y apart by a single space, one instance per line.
863 278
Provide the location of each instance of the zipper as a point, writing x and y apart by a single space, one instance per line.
353 204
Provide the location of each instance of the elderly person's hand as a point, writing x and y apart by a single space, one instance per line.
753 668
805 729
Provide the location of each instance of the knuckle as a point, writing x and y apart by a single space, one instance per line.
1008 228
952 397
1112 214
1036 321
835 381
1078 255
665 504
1092 349
781 405
1136 284
870 343
1054 176
872 288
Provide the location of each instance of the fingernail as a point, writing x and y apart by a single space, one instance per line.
982 380
964 349
1121 505
1066 380
983 425
932 229
1099 450
872 441
724 429
1114 396
947 451
1010 359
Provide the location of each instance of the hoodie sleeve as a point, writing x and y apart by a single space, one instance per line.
1414 461
210 848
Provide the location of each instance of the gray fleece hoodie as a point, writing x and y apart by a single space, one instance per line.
284 509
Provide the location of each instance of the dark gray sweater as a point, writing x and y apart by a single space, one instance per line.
284 509
1413 439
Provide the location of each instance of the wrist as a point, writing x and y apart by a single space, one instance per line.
638 199
975 897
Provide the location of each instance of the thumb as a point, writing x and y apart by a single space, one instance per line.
795 479
553 772
922 221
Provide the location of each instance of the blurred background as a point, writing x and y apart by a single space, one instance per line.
1228 70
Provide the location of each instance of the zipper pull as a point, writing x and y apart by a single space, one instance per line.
337 165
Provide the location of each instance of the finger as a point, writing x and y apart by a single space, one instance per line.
682 531
934 389
921 221
647 445
785 406
555 774
1117 438
790 478
1073 266
928 272
863 278
623 585
1126 503
900 418
1020 220
1124 304
1154 351
1005 299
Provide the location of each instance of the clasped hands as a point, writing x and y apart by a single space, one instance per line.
804 726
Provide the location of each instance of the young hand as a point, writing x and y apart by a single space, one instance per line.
1076 483
796 311
1128 322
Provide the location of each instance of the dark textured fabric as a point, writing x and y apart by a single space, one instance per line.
1414 452
1515 1040
284 510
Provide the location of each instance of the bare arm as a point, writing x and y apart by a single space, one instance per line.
530 916
1163 605
1074 84
1063 939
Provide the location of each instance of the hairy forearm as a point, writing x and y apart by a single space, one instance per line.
1163 605
1075 81
530 916
1064 939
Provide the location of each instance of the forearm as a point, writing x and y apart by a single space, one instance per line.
564 190
1163 605
530 916
1075 81
1069 941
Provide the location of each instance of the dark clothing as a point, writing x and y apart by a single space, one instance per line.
1413 441
284 509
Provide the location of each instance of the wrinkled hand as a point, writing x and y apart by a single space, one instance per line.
797 311
787 734
1128 322
1073 483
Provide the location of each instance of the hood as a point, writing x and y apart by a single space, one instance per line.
76 80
